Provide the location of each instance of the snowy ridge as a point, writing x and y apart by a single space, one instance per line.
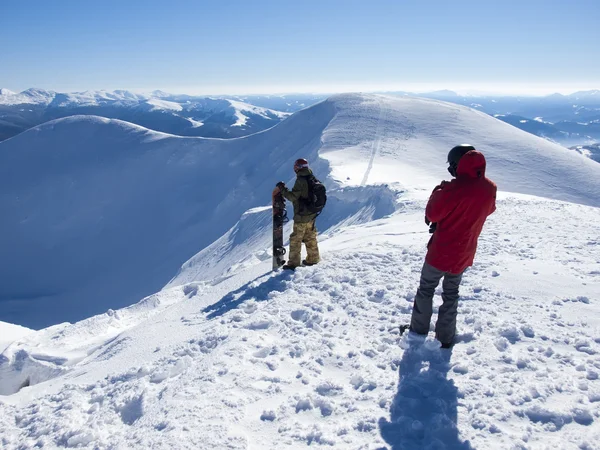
231 355
351 140
396 139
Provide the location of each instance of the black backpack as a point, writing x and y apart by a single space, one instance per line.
317 195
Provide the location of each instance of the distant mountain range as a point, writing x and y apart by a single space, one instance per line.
570 120
566 119
182 115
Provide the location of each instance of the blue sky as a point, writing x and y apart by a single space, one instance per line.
262 46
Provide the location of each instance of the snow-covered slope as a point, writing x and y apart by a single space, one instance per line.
10 333
314 358
99 213
231 355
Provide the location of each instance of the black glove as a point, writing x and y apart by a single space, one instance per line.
432 227
427 221
280 185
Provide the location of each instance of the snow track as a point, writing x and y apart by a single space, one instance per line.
377 141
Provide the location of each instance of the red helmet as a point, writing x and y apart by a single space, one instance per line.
300 164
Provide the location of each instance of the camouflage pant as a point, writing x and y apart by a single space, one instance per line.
307 233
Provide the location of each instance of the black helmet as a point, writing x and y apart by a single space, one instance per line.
454 156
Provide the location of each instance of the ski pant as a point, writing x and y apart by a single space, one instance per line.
307 233
445 327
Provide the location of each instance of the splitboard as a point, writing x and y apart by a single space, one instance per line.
279 219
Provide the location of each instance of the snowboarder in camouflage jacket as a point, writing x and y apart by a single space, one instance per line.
305 230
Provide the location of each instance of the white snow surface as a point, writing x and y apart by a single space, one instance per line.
6 92
106 211
42 96
232 355
241 107
29 96
164 105
281 360
10 333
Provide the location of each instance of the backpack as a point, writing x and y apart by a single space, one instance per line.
317 195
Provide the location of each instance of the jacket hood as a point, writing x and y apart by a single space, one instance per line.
472 165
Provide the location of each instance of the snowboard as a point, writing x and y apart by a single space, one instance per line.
279 218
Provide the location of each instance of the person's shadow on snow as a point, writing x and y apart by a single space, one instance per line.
424 410
258 290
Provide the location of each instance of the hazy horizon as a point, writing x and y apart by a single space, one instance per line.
475 90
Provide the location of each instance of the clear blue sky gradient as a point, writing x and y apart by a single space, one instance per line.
275 46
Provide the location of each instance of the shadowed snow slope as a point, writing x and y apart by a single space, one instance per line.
98 213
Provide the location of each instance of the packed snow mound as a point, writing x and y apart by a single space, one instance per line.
315 358
99 213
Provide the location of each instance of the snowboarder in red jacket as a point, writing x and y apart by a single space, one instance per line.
456 211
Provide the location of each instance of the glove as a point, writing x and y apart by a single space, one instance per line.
280 185
433 227
427 221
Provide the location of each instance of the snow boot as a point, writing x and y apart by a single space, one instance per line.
288 267
447 344
307 264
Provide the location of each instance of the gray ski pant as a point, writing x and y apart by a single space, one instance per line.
445 327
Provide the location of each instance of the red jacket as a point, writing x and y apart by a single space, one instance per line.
459 208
